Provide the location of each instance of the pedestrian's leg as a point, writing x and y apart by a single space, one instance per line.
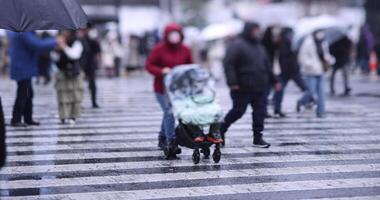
75 110
28 111
168 120
321 96
332 80
300 82
279 95
345 72
258 104
91 75
240 101
20 102
309 93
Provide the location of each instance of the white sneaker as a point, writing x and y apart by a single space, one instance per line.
72 122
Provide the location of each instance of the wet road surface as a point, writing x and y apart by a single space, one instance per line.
111 152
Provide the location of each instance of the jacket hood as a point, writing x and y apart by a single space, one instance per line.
247 31
171 28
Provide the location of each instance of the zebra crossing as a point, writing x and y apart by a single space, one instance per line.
111 153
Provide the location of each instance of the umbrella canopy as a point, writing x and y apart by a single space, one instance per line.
222 30
31 15
333 27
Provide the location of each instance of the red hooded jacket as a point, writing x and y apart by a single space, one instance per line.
165 54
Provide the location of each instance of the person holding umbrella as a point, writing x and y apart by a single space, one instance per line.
24 50
315 59
166 55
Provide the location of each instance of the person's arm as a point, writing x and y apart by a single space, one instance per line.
152 64
230 62
74 52
37 43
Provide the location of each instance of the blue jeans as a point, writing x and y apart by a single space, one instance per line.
168 121
315 85
279 96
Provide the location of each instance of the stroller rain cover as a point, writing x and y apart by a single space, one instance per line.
191 90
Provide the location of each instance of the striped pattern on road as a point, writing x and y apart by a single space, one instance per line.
111 154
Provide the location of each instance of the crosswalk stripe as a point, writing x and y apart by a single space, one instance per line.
179 163
216 190
146 178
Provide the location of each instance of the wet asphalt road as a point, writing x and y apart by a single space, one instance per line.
111 152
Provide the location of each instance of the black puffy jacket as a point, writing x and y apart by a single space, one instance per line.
246 63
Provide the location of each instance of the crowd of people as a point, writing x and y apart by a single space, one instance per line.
255 67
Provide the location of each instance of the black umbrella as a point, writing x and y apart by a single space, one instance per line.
30 15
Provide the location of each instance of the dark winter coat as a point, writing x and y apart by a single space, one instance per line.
246 63
165 54
287 58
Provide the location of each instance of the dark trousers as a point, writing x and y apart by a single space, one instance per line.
279 96
91 78
2 137
241 100
23 106
345 73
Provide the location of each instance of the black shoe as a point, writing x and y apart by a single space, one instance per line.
172 150
33 123
347 92
19 124
260 142
268 116
280 114
95 106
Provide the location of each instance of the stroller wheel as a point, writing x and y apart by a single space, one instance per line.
196 156
217 154
206 152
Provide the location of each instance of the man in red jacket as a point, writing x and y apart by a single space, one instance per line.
166 55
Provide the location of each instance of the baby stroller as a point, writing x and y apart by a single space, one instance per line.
192 94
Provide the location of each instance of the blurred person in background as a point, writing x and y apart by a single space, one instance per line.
90 59
166 55
44 63
69 84
133 58
315 59
341 50
271 42
249 75
289 70
24 50
364 49
3 147
111 53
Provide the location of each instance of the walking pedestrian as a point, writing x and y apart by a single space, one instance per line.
166 55
90 59
364 49
341 50
249 75
24 50
69 84
289 70
315 59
